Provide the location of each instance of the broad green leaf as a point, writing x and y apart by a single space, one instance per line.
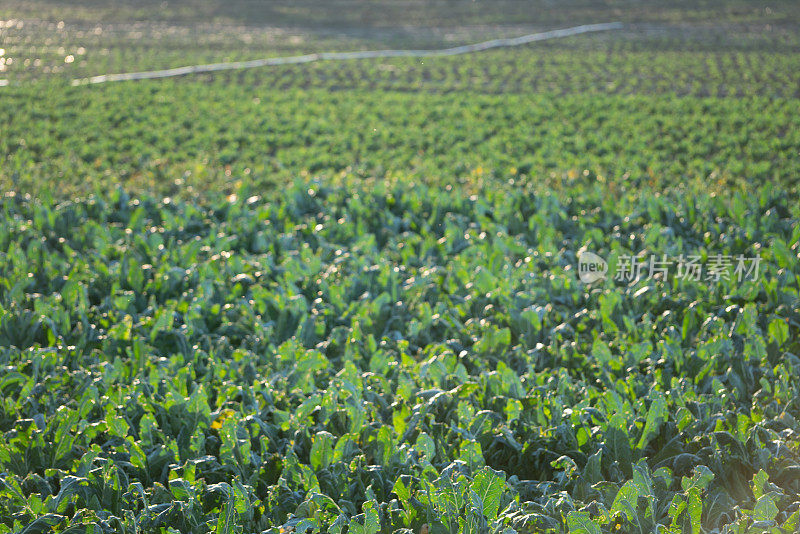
489 484
322 450
617 442
226 522
581 523
426 446
792 522
657 414
700 479
626 501
43 524
371 520
695 507
759 479
765 509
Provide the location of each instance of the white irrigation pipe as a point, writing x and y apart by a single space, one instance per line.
328 56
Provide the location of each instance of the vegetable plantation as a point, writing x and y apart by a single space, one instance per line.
357 297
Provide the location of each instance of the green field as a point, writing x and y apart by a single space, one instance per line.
345 296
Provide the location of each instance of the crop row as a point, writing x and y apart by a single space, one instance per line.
150 134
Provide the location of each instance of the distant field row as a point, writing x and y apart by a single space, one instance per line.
147 135
708 61
401 13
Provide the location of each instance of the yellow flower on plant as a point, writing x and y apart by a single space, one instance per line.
220 420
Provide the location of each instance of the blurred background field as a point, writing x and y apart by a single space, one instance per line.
689 92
